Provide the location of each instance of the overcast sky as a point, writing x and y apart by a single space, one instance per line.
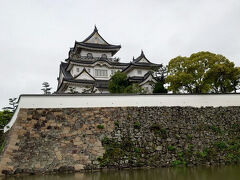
36 35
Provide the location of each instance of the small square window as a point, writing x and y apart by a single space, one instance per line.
89 70
77 69
139 71
113 72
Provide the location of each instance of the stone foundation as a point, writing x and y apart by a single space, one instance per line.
51 140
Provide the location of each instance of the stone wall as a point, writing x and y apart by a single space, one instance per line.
75 139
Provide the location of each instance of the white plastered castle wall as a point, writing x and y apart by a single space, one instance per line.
134 72
84 101
96 39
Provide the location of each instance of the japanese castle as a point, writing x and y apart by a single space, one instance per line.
91 63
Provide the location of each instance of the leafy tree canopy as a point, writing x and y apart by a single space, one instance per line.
135 89
118 83
13 104
202 72
5 117
159 87
46 88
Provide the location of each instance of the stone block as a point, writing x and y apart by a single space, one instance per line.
78 167
58 155
159 148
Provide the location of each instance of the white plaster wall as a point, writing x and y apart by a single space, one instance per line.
134 72
149 87
96 39
108 71
95 54
74 71
143 60
82 101
92 71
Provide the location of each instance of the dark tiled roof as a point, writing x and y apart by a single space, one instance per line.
99 46
63 67
135 79
97 83
139 79
144 65
94 31
142 55
136 63
80 81
103 84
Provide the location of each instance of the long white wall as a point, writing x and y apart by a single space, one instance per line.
82 101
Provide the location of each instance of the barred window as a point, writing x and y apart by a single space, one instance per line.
113 72
104 56
89 55
101 73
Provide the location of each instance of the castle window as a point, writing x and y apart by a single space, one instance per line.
89 55
104 56
139 71
113 71
89 70
101 73
77 69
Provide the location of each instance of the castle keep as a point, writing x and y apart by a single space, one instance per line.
91 63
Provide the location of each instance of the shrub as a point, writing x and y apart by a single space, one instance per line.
116 124
100 126
171 148
136 125
220 145
157 129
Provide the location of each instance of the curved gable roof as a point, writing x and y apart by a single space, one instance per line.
96 42
141 57
85 71
94 35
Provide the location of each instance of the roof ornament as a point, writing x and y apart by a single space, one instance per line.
142 53
95 28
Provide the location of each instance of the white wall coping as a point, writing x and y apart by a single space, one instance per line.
122 100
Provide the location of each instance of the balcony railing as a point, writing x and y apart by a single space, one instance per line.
78 57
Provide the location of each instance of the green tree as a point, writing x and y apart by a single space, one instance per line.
118 83
159 87
161 75
202 72
235 79
134 88
13 104
5 117
46 88
223 77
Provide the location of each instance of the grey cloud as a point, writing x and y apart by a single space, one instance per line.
36 35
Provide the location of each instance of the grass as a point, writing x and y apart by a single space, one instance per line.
2 146
100 126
